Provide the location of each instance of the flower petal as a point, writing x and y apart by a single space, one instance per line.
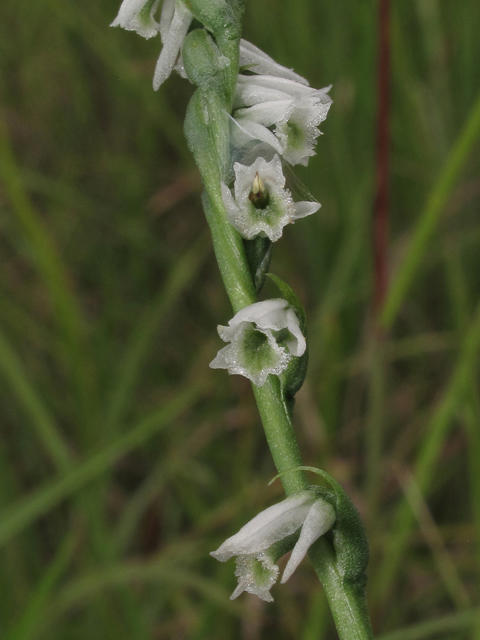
168 9
290 87
248 94
304 209
296 343
269 526
228 200
221 360
319 520
259 62
255 312
267 113
173 42
259 132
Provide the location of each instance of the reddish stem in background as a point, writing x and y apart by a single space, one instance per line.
380 212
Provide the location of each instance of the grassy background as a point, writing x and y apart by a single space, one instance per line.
124 459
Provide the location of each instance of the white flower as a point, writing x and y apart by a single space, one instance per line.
253 544
282 112
261 206
175 20
253 351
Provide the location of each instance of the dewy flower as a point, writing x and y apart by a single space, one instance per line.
175 20
282 112
263 338
261 206
254 544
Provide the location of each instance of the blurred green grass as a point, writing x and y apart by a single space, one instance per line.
124 459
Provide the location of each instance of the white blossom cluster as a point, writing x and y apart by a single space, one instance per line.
272 105
277 109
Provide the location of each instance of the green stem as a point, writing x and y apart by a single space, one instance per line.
348 607
280 435
230 255
207 131
347 603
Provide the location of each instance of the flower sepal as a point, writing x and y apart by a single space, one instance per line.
138 15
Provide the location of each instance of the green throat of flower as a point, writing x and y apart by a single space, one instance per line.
295 135
259 354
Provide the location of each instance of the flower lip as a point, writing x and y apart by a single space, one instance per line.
137 15
275 314
253 350
259 62
256 575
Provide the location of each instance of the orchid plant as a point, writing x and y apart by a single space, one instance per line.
269 115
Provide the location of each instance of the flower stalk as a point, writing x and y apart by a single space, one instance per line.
203 124
210 58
